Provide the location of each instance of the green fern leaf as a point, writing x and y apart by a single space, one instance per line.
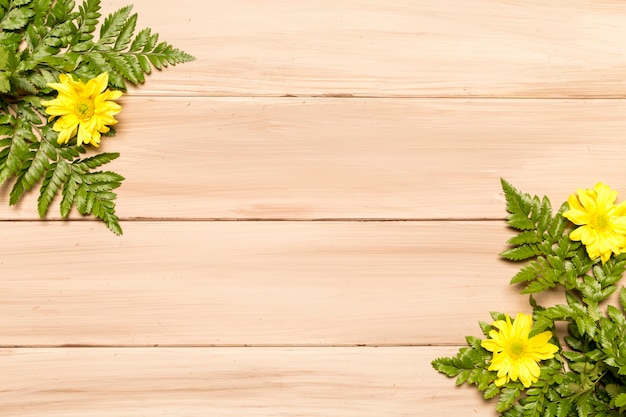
584 405
34 169
16 18
522 252
165 54
94 196
69 193
97 64
16 153
507 398
539 285
446 366
144 63
520 221
41 8
620 400
126 33
10 38
112 27
55 178
19 187
622 297
18 3
88 14
530 272
105 210
525 237
59 12
545 215
516 202
127 66
95 161
143 40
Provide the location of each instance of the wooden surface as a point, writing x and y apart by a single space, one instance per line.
312 210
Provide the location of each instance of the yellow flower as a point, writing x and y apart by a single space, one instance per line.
515 356
602 223
82 108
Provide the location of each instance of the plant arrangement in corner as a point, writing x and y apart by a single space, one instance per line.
527 364
58 86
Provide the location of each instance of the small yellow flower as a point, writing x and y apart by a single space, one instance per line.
515 356
85 109
602 223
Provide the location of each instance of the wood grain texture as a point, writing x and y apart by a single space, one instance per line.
200 382
408 111
402 48
254 283
279 158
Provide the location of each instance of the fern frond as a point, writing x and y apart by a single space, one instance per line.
516 201
41 9
523 252
165 54
87 20
34 170
39 40
69 192
126 33
95 161
52 183
17 17
125 58
94 196
15 153
112 28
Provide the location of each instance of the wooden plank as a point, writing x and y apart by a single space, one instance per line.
253 283
238 382
403 48
205 158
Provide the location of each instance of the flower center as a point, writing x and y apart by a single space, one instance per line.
84 109
516 349
600 222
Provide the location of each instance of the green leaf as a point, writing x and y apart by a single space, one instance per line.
491 391
125 65
112 27
165 54
94 196
620 400
143 40
96 161
446 366
516 202
61 11
526 237
622 297
17 152
16 18
126 33
17 3
69 192
5 84
41 8
33 170
88 14
4 57
52 183
522 252
507 398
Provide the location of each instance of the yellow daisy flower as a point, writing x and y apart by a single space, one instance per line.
85 109
515 356
602 223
